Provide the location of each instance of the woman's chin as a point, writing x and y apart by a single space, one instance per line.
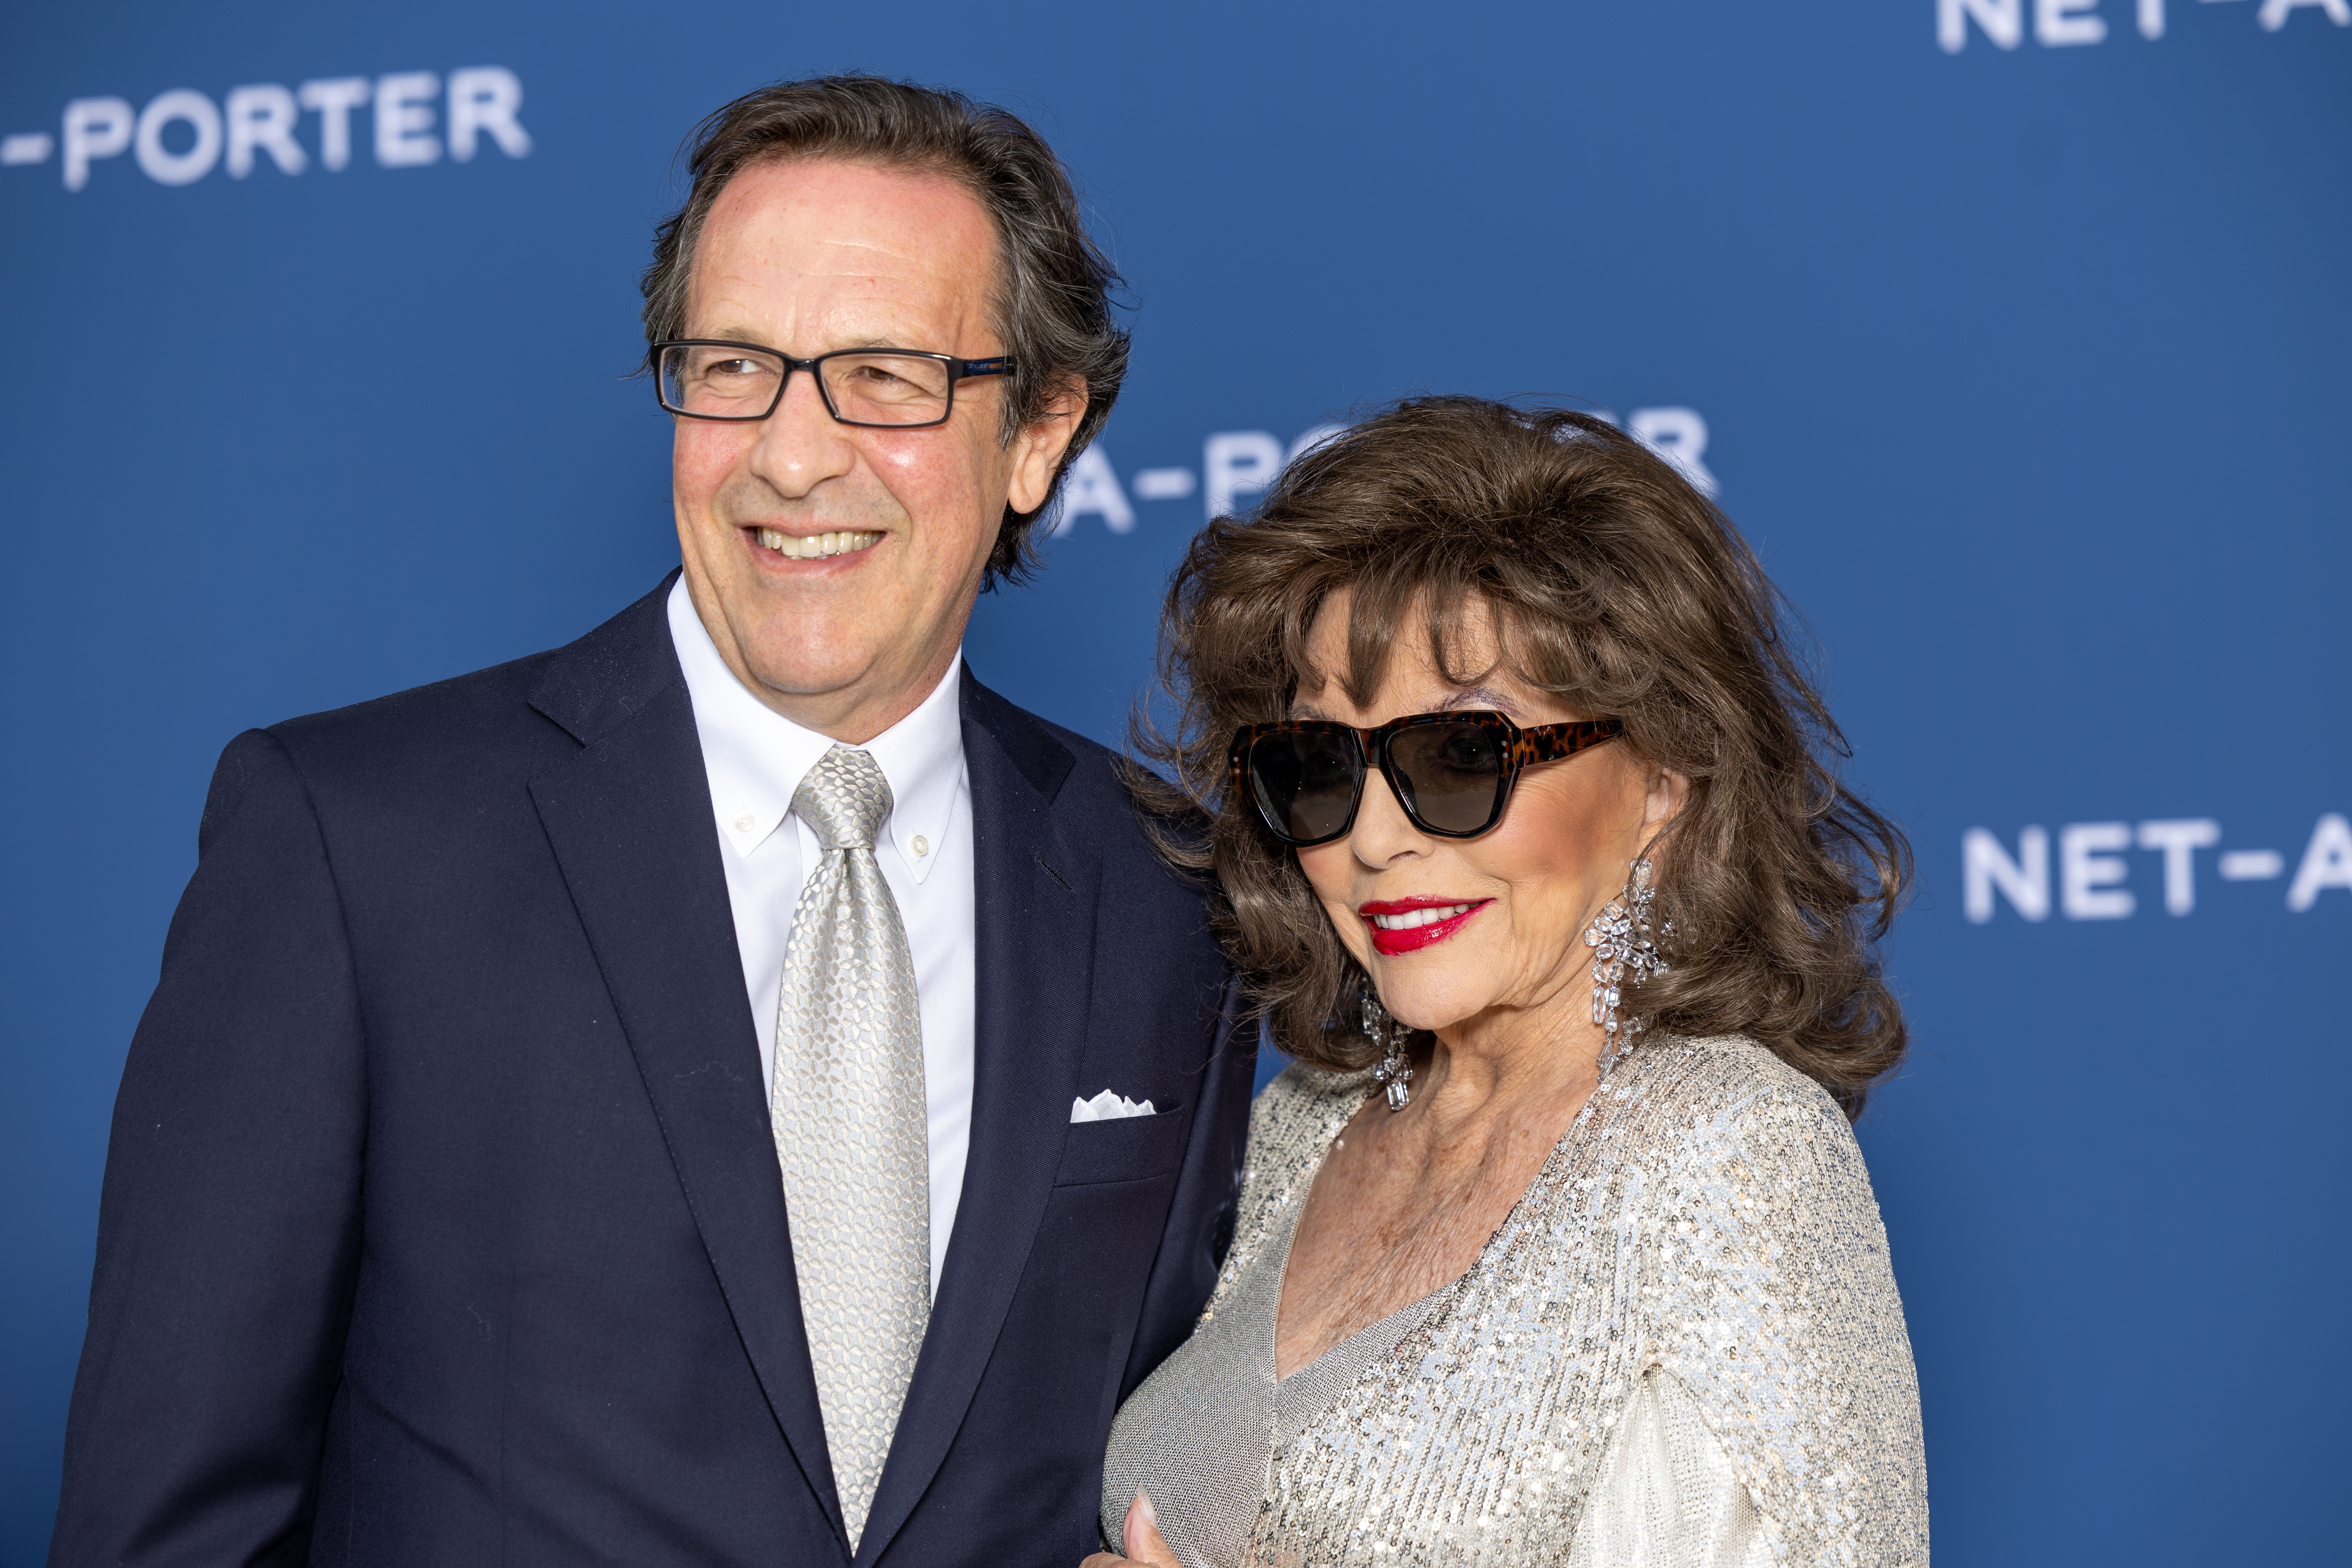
1426 1009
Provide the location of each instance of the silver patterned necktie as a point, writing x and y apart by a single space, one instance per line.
848 1111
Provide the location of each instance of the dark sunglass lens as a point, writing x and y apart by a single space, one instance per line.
1306 783
1452 772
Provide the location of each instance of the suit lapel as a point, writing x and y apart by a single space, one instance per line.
629 819
1034 896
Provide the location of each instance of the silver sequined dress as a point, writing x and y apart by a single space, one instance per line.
1683 1349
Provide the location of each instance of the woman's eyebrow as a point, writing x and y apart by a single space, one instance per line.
1473 697
1477 696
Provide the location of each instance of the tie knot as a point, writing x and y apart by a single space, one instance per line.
844 799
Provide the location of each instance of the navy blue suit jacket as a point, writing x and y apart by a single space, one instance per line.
442 1223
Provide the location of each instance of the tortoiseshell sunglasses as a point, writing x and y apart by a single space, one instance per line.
1453 773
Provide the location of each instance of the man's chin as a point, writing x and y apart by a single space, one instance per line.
806 674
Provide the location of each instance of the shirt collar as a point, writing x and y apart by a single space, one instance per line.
756 758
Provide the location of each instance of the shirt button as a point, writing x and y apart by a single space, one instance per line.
745 823
922 846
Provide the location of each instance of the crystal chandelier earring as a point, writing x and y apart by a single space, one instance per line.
1391 1072
1625 953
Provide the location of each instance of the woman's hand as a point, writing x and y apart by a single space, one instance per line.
1141 1534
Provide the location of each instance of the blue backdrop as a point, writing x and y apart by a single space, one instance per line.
2014 332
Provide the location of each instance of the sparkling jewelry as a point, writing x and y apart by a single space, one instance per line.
1392 1072
1625 953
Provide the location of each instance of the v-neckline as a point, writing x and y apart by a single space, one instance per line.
1273 1325
1506 1226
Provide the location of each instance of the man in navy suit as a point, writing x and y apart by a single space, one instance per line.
450 1209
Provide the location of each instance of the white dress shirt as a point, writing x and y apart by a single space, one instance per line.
756 758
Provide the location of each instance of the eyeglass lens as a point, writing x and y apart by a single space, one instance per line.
1307 782
864 388
1450 771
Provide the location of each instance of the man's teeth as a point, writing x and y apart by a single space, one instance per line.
1420 917
816 545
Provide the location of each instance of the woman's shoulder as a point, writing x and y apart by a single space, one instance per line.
1750 1172
1731 1091
1768 1294
1301 1090
1298 1113
1293 1121
1728 1070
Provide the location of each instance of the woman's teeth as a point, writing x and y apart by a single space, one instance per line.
816 545
1428 917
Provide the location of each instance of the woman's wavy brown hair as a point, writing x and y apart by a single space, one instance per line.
1615 586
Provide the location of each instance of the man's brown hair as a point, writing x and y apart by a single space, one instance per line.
1614 584
1051 301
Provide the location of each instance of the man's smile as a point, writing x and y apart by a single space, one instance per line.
817 546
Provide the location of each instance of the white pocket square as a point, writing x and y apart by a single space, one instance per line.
1107 1107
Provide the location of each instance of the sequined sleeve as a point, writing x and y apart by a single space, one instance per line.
1774 1308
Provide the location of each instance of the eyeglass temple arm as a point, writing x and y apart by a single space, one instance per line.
1550 742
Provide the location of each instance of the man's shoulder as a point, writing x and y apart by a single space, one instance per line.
1096 773
1081 777
465 702
1054 760
519 711
1090 791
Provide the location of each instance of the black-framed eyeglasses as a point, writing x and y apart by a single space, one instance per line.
1452 772
710 378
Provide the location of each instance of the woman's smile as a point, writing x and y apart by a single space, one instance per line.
1408 925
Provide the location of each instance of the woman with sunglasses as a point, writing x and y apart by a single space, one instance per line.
1555 1246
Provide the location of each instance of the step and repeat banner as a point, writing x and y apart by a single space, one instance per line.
2015 334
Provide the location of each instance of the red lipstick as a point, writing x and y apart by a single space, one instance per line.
1390 941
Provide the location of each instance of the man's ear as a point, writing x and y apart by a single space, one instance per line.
1038 447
